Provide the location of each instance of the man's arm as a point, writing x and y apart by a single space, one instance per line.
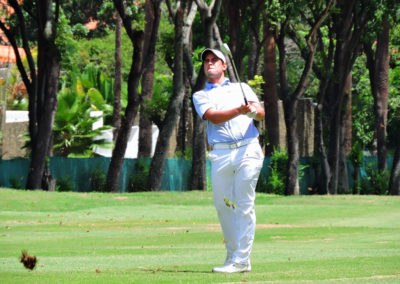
221 116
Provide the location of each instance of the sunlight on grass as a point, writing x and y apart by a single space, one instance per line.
174 237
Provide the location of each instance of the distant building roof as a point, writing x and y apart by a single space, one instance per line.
92 24
7 54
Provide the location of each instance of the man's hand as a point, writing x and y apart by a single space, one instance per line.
248 110
252 113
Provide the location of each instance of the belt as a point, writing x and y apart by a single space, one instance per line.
234 145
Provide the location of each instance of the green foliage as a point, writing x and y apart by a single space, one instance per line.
16 182
79 31
65 184
94 79
101 53
375 182
162 91
65 42
98 179
257 84
362 103
73 133
356 157
138 179
356 153
275 182
187 154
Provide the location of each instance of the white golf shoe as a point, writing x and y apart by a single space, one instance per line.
232 268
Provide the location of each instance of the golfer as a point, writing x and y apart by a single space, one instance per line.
236 157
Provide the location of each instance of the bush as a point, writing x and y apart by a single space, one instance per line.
64 184
138 179
375 182
98 180
16 183
275 182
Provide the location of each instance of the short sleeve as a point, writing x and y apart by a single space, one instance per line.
201 103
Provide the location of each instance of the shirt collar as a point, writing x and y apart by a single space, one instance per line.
210 86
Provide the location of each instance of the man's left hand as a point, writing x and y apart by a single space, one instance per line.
252 113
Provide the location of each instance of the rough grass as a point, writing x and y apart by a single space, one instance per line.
174 237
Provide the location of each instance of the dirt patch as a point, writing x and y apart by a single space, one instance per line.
176 228
120 197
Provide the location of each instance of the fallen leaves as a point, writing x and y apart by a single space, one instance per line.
28 261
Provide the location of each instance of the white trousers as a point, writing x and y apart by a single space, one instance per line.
234 175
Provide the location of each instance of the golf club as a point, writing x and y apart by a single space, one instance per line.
225 48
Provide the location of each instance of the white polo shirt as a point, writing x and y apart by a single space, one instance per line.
222 97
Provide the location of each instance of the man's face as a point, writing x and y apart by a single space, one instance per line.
214 67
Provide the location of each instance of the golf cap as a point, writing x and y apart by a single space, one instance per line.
216 52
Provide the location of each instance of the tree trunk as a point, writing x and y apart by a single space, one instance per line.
382 92
343 182
45 102
345 138
292 180
254 67
325 172
145 124
198 178
348 34
174 107
118 154
140 59
270 90
235 14
183 122
48 79
116 118
394 183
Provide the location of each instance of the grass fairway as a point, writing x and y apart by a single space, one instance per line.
174 237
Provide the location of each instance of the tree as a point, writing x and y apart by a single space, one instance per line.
394 182
145 125
378 66
140 59
209 15
348 25
270 87
256 38
171 117
290 99
41 80
116 118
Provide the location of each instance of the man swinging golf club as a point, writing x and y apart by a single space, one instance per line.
236 156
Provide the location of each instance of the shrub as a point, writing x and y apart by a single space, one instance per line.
64 184
138 179
375 182
98 180
16 183
275 182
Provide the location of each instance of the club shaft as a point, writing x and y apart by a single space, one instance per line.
237 77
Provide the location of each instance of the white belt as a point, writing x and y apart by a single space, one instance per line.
234 145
